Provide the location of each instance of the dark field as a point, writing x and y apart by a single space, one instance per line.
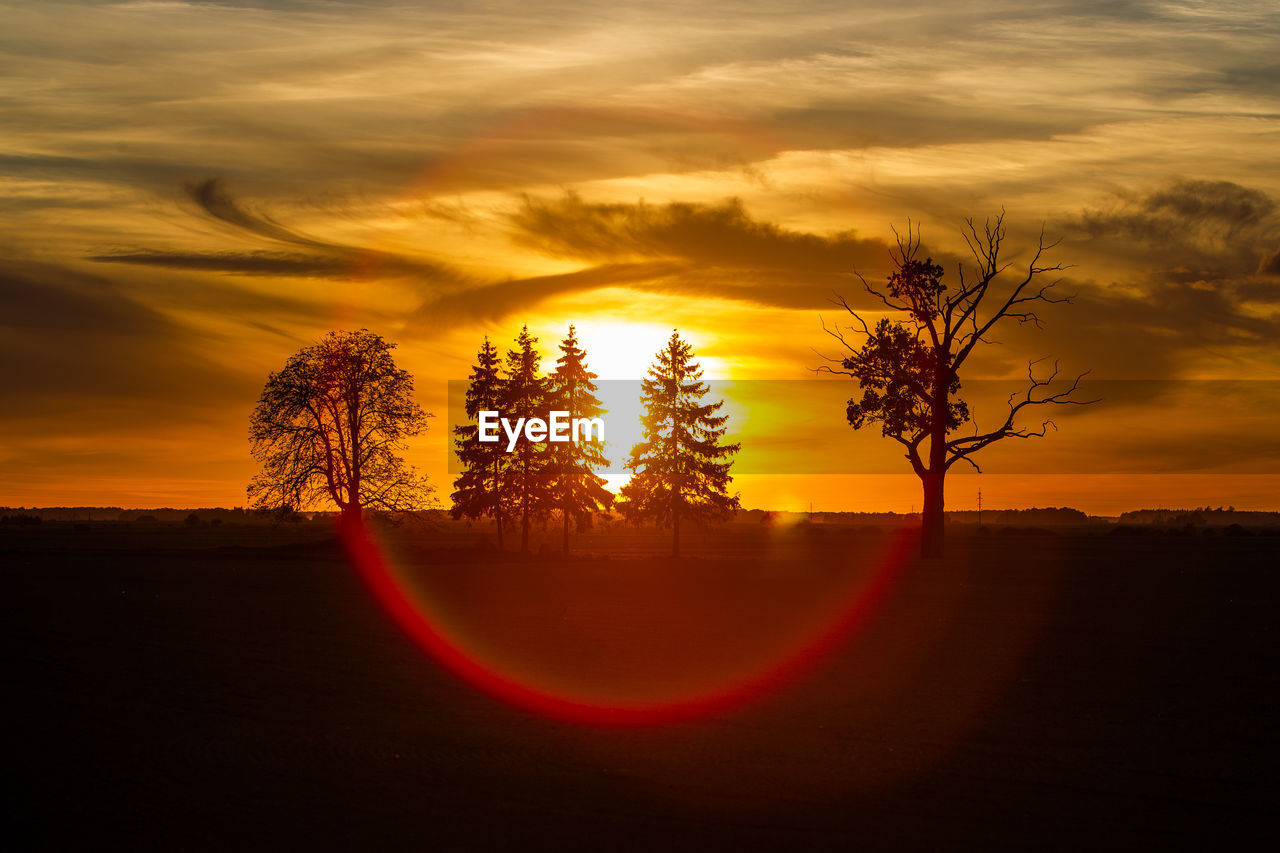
239 688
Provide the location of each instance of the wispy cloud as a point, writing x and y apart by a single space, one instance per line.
327 259
244 263
724 234
498 300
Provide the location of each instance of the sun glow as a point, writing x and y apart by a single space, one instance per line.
625 349
621 350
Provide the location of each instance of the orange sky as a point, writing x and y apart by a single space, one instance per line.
191 192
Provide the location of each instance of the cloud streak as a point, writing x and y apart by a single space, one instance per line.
243 263
723 234
211 197
326 260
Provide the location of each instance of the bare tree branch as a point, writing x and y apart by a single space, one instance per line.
960 448
909 368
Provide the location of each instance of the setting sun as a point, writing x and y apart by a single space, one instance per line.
619 349
625 349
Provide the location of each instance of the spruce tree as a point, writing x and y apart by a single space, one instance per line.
681 468
524 396
576 491
478 490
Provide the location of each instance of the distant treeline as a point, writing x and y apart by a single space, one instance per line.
166 514
1034 515
1205 516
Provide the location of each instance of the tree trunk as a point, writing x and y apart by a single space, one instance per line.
524 509
932 530
566 531
497 507
675 533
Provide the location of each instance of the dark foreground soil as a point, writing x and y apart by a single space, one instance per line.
240 689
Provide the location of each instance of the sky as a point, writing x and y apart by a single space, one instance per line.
191 192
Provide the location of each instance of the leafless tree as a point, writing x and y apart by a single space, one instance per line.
330 426
909 369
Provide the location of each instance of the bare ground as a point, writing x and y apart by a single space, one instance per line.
240 689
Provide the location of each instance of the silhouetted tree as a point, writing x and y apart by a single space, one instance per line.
330 426
524 394
908 369
681 469
478 490
575 489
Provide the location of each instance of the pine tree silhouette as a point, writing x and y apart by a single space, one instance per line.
478 490
524 396
681 470
574 487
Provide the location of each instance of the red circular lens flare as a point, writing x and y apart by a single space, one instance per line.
377 573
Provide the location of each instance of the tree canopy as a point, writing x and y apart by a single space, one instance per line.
478 489
330 426
909 369
574 488
524 392
681 467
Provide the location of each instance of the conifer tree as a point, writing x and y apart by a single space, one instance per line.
681 468
524 396
478 490
576 491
